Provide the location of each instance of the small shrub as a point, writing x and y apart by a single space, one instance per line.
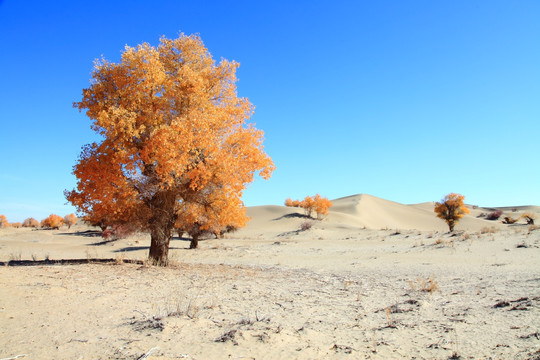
30 222
509 220
425 285
495 215
16 225
488 230
306 225
529 218
117 232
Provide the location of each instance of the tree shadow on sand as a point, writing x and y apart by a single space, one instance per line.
137 248
87 233
291 216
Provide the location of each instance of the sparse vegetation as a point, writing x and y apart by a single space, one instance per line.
424 285
306 225
488 230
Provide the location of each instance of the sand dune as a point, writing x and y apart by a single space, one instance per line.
370 212
375 279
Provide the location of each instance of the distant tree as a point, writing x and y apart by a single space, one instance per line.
53 221
172 124
451 209
70 220
16 225
3 221
310 204
30 222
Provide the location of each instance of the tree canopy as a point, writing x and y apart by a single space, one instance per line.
451 208
175 136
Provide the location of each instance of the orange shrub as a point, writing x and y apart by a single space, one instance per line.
16 225
52 222
30 222
451 209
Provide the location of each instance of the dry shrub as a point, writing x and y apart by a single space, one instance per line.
425 285
16 225
529 217
495 215
488 230
30 222
509 220
306 225
117 232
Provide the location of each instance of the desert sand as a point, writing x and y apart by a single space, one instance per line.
375 279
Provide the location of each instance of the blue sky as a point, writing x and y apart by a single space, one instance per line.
405 100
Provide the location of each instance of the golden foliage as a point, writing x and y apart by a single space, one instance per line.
53 221
451 209
3 221
175 136
310 204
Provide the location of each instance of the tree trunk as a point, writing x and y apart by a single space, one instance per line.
159 247
161 227
194 241
451 225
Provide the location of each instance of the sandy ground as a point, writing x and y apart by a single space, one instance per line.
375 279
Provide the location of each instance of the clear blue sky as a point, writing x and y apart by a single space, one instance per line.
405 100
